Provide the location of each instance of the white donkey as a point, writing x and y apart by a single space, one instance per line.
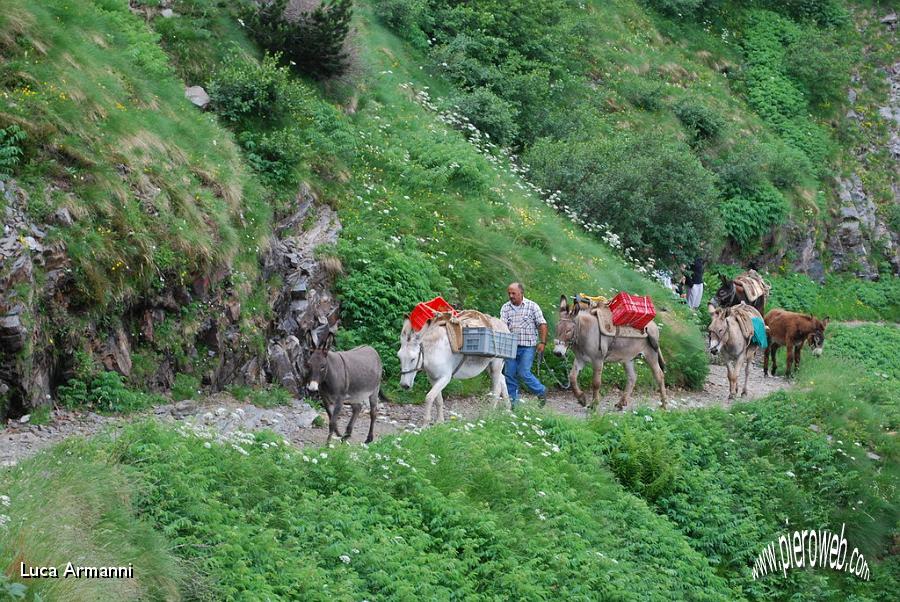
429 350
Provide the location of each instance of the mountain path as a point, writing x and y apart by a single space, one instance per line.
223 414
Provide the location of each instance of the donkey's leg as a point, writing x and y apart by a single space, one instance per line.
766 361
732 368
577 365
496 368
789 365
332 424
440 406
773 347
750 357
349 430
659 376
433 394
596 383
373 413
629 384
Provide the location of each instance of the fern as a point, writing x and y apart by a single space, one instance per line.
10 152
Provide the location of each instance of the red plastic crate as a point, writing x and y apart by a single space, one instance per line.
424 311
632 310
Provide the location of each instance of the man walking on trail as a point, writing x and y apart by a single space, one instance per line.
694 284
525 320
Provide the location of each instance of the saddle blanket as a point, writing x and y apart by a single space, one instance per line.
753 284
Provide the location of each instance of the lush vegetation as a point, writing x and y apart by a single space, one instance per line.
876 348
625 506
734 97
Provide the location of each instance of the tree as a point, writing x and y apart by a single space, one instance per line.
314 41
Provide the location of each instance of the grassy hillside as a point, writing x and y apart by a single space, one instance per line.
165 197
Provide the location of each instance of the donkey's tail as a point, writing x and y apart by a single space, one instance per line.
382 396
654 342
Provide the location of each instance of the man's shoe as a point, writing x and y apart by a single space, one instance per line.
542 400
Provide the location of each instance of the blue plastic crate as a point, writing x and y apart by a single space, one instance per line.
487 342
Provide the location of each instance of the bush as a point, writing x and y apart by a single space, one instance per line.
382 286
244 90
185 387
313 40
819 64
652 192
408 18
748 218
489 113
643 93
701 121
676 8
106 392
11 139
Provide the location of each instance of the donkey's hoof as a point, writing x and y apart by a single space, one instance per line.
369 439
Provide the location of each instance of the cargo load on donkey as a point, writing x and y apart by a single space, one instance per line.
452 344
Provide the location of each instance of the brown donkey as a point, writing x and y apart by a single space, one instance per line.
792 330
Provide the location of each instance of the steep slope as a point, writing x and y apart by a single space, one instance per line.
175 251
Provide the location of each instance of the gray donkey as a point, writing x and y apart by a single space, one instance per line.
346 377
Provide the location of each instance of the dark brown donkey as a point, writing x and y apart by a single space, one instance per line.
346 377
791 330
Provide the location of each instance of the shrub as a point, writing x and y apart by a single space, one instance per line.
489 113
11 139
676 8
106 392
653 192
185 387
382 286
407 18
701 121
274 155
243 89
643 93
313 40
748 218
819 64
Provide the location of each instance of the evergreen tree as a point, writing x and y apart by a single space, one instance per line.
312 41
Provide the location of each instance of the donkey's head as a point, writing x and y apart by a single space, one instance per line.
318 363
726 296
816 338
718 331
410 354
565 326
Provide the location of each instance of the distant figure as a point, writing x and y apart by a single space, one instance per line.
525 320
694 284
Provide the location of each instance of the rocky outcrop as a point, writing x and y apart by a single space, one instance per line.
218 349
25 354
858 229
305 310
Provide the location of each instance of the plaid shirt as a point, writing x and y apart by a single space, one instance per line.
523 321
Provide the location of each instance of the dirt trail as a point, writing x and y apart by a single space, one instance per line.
223 413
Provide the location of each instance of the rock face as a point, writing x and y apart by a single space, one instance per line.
34 273
25 356
858 229
305 310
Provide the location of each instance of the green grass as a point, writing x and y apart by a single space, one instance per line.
73 504
875 348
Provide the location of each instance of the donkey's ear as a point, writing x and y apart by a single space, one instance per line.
723 278
563 303
329 341
825 321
